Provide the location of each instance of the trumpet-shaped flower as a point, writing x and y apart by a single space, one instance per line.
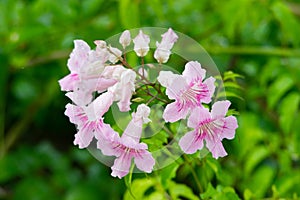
141 44
128 146
88 118
86 66
209 126
162 53
188 90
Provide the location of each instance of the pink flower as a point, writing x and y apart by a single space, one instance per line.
125 86
128 146
88 119
78 58
141 44
125 39
187 90
211 127
86 66
162 53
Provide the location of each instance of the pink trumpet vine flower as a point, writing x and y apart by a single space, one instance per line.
88 119
188 90
209 126
128 146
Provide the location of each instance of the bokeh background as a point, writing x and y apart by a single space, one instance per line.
257 39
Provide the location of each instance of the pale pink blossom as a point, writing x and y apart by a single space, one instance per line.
128 146
211 127
125 39
85 67
89 119
188 90
125 86
141 44
162 53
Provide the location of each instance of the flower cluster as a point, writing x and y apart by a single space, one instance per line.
100 77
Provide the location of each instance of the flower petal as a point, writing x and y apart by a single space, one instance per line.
68 82
193 71
108 141
144 161
78 56
121 165
162 55
171 113
80 97
215 147
229 127
84 137
101 104
76 114
103 83
176 88
165 78
198 115
133 130
219 109
125 39
191 142
168 39
141 44
210 83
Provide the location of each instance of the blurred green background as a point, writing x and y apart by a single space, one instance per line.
258 39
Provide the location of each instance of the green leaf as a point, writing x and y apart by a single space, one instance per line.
231 75
167 173
232 112
224 193
288 22
255 157
178 191
138 100
139 187
228 94
270 71
248 195
232 85
288 109
261 181
210 192
287 183
278 88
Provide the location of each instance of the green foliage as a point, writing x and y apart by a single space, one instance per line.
254 43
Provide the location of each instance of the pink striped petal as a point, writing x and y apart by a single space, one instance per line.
191 142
